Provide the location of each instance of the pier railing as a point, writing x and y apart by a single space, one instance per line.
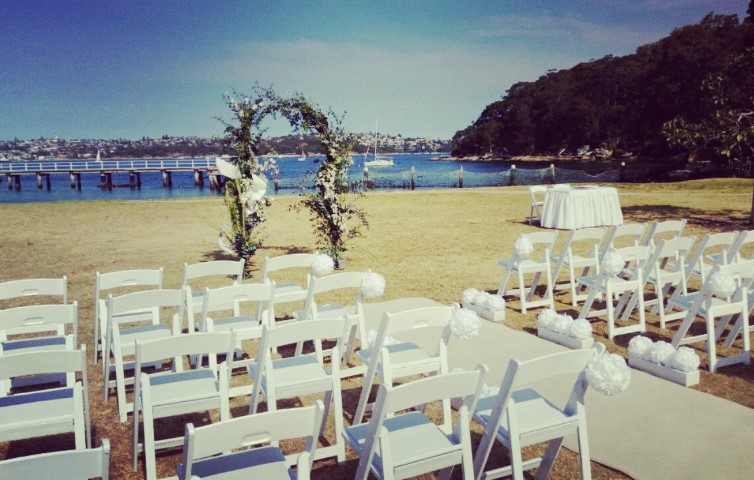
144 165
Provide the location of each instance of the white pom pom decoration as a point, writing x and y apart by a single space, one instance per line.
322 265
546 318
640 346
562 324
612 263
372 336
661 353
607 373
581 329
481 299
372 285
495 302
685 360
468 295
721 285
523 247
464 323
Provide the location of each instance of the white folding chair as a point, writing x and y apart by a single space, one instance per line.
538 264
580 251
338 287
621 287
303 374
537 202
54 327
117 283
30 289
665 269
240 301
521 415
66 464
123 329
389 361
619 236
246 446
30 414
286 270
210 274
397 443
712 249
175 391
666 229
717 314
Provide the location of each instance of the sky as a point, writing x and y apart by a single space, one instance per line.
420 68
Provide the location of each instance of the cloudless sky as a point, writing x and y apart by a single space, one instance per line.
127 69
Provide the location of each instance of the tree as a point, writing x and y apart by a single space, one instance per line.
725 131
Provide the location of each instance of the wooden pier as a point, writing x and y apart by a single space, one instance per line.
106 169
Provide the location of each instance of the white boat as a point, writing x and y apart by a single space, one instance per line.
302 158
99 158
377 160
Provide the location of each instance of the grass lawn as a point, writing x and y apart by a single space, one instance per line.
431 243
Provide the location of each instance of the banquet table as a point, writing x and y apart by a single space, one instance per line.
581 207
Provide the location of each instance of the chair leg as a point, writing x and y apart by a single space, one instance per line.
522 291
548 459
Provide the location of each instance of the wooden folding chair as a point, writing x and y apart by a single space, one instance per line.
538 264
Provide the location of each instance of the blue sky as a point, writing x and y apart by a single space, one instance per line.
113 69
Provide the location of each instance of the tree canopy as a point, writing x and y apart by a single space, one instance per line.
617 103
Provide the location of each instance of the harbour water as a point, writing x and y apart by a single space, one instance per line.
293 175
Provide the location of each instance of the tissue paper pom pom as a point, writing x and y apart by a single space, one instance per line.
323 264
372 285
488 391
495 302
468 295
721 285
685 360
607 372
481 299
640 346
523 247
661 353
581 329
612 263
562 324
546 318
464 323
372 336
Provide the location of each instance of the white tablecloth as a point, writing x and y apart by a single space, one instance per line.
581 207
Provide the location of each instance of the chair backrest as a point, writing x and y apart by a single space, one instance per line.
158 298
665 229
293 260
592 236
35 287
670 255
346 281
295 332
66 464
622 236
712 248
55 319
742 246
252 430
178 346
123 281
213 268
638 255
44 362
535 190
542 243
256 296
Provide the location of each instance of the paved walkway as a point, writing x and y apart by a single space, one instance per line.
654 430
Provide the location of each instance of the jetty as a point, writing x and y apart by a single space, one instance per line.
42 169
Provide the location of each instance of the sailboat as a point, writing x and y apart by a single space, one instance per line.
99 159
302 158
378 161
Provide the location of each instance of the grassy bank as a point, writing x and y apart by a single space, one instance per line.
433 243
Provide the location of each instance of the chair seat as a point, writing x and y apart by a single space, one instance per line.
534 413
148 332
262 463
327 311
403 432
182 390
304 372
399 353
47 412
234 322
34 344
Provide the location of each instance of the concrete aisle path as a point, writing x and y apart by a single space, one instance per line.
654 430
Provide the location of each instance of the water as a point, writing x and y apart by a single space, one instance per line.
294 174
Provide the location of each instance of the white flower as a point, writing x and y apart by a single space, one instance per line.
546 318
640 346
372 336
581 329
322 265
612 263
607 373
523 247
685 360
481 299
721 285
495 303
467 297
464 323
562 324
372 285
661 353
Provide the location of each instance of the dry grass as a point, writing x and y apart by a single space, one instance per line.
431 243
